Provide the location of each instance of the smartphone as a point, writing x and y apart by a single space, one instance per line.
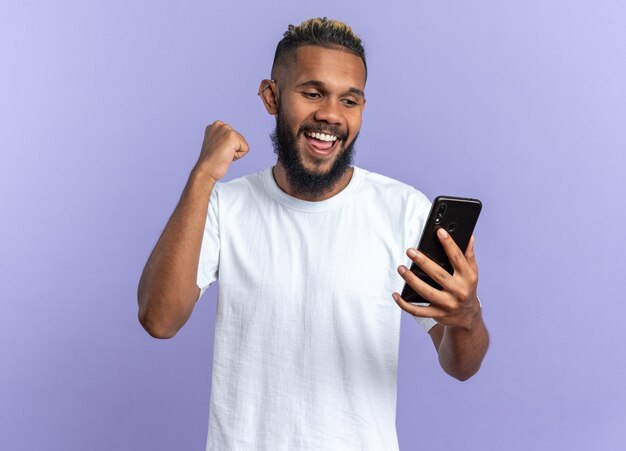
458 216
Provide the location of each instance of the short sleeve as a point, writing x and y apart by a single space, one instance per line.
210 249
426 323
421 208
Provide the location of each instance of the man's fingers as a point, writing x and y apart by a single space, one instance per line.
418 310
244 147
228 134
429 293
470 256
435 271
454 253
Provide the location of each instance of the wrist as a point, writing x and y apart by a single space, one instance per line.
473 322
200 174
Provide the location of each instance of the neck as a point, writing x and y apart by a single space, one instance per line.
280 175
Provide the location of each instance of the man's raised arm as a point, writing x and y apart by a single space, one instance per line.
167 289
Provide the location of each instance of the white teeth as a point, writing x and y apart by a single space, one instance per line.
322 136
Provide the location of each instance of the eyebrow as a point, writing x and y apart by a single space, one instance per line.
321 85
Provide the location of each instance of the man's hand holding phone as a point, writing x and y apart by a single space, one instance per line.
456 304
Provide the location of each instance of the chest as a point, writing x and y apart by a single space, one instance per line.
350 252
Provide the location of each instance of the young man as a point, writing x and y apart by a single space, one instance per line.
306 337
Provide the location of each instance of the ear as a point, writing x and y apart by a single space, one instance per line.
269 96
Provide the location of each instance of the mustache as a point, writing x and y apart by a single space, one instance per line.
322 128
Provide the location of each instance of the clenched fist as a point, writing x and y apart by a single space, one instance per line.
222 145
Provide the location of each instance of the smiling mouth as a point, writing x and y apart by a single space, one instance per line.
321 143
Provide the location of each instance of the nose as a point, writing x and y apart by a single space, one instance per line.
329 112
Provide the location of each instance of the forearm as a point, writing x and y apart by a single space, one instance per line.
167 289
462 350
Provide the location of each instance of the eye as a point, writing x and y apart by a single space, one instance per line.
349 102
311 94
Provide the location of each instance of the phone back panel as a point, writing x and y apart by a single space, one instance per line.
457 215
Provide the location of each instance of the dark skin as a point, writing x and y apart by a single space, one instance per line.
167 291
460 336
321 86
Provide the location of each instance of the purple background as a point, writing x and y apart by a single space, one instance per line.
102 112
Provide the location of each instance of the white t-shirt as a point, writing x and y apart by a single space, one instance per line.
307 333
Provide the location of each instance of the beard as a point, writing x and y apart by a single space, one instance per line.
302 180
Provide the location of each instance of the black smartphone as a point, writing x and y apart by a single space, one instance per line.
458 216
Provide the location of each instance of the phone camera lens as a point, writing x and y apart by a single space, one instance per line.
437 220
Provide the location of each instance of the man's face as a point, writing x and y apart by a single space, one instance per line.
320 105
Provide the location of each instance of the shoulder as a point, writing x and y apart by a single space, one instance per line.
391 190
238 195
248 188
240 184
